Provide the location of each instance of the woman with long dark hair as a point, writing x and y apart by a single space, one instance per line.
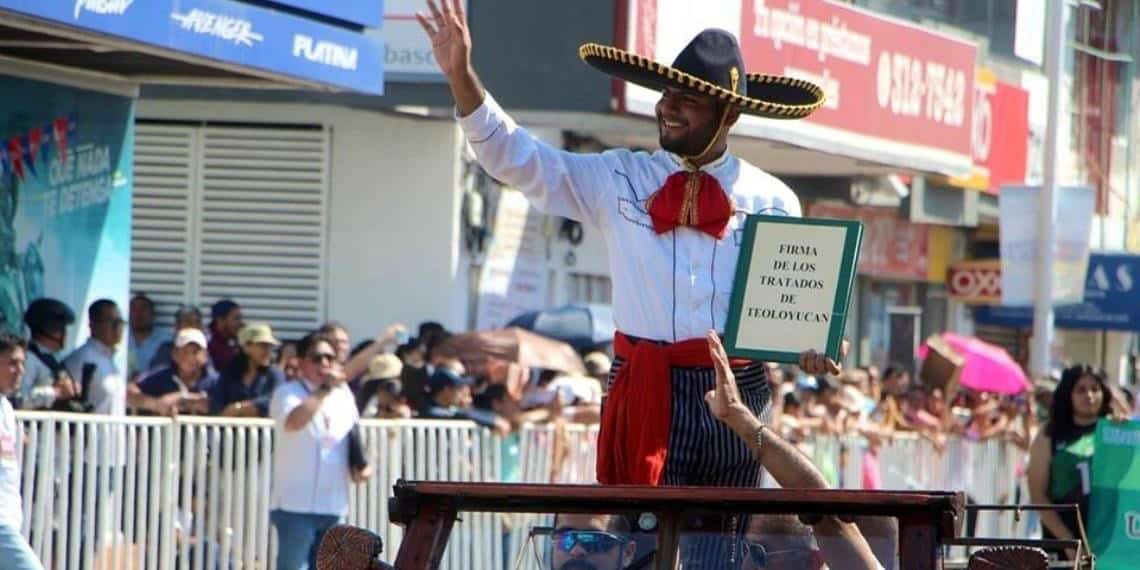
247 383
1061 455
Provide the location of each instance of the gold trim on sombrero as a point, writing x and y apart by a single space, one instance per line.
594 50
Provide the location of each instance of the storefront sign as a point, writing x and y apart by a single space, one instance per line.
407 49
1019 234
236 33
65 197
897 93
976 281
1111 299
999 135
883 78
365 13
893 248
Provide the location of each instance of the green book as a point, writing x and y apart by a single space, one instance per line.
792 288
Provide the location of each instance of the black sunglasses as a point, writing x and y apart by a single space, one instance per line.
592 541
321 357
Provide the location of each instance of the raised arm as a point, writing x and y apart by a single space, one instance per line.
557 182
839 541
451 45
358 364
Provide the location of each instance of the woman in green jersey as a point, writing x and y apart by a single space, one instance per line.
1061 455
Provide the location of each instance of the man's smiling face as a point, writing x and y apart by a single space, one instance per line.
686 121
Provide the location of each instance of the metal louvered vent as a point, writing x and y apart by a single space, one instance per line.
164 201
263 224
257 210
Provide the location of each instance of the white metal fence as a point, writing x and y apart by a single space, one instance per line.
193 493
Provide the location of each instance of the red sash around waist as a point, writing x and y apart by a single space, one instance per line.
634 437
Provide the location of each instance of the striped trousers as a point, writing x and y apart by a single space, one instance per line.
704 452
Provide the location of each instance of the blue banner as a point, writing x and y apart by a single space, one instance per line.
229 32
367 13
65 197
1112 299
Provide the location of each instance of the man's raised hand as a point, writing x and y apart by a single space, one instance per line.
450 37
724 401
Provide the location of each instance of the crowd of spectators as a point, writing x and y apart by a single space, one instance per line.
879 404
315 389
229 367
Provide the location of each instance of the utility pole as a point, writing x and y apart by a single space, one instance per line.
1040 353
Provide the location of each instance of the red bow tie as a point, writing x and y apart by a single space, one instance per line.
693 199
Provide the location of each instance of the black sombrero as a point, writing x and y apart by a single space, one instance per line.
711 64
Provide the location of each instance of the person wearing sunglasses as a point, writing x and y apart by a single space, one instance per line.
779 542
591 542
94 365
313 417
103 390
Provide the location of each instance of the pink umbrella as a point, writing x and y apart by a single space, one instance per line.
988 368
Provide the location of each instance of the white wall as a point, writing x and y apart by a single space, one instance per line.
393 210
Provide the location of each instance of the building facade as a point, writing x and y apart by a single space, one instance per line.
70 76
401 226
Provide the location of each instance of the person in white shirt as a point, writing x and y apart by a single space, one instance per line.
313 416
103 383
103 387
672 221
15 553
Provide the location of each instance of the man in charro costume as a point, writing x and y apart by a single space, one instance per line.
672 221
672 224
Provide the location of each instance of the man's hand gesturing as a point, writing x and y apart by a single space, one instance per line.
451 45
450 38
724 400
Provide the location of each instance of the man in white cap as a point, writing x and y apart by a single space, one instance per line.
183 386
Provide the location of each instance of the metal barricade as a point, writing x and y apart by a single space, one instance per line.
430 451
95 489
223 469
194 493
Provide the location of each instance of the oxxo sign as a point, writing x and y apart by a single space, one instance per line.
1110 281
975 281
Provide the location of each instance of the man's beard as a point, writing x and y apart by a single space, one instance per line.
690 146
